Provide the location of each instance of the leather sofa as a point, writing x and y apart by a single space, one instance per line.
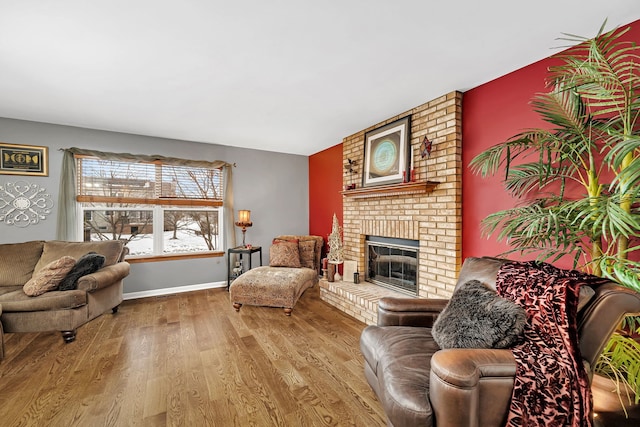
418 384
58 310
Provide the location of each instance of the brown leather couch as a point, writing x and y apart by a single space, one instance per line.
418 384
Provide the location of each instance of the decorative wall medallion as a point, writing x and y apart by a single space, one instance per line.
22 204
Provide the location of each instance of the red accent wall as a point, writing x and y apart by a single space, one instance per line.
325 184
491 113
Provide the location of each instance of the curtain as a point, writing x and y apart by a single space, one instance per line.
148 158
229 230
67 225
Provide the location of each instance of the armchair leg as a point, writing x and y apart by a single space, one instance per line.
287 311
69 336
114 310
237 306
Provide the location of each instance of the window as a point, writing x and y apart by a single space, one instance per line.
156 207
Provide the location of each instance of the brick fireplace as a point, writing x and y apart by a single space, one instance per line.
429 210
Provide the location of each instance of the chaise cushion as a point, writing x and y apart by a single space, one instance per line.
272 286
17 262
49 277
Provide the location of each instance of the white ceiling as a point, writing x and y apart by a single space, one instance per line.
290 76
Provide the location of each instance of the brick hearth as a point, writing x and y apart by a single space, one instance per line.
357 300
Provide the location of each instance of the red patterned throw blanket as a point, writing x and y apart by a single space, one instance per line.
551 386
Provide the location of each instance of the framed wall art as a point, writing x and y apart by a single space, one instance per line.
23 160
386 153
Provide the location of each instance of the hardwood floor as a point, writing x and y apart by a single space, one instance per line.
191 360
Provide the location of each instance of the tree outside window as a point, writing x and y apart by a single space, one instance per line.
156 208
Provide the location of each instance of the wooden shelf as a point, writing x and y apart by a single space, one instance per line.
391 190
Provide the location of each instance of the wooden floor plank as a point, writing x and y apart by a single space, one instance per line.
190 359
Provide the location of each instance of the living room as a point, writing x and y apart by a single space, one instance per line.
292 193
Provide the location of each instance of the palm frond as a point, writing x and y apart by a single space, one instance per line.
605 70
620 361
620 145
501 155
537 225
623 271
624 157
562 108
529 177
628 180
603 216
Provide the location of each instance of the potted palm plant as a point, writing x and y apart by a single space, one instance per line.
579 178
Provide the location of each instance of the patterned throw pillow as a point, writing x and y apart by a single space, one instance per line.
307 250
49 277
277 240
284 254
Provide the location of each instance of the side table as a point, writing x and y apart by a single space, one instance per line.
241 250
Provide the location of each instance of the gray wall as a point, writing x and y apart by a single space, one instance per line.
274 186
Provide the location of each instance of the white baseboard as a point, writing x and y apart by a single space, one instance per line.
175 290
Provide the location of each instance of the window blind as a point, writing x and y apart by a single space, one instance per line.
102 180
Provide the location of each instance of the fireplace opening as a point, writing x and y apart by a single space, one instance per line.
392 263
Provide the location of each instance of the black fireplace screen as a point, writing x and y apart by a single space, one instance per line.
393 263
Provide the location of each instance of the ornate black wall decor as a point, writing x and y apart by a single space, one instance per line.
23 160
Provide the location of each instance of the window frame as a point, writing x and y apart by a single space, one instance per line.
158 205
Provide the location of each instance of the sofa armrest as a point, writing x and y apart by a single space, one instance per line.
479 380
104 277
420 312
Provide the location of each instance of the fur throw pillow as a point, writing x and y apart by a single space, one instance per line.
47 278
87 264
477 317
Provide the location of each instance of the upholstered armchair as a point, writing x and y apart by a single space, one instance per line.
418 384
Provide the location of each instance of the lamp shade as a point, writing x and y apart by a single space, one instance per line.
244 216
244 221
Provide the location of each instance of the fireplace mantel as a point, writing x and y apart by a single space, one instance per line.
403 188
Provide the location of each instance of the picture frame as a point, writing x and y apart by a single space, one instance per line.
386 153
16 159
